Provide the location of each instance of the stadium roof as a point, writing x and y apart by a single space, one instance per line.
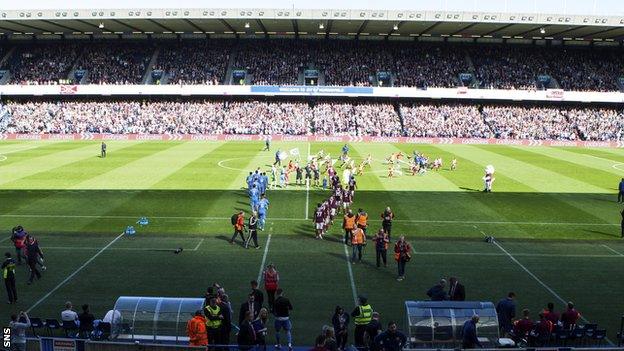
336 22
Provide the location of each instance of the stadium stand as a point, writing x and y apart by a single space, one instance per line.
340 62
321 118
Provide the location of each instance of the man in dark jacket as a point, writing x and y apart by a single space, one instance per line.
258 295
33 255
457 292
437 293
469 333
391 339
373 329
249 306
506 309
246 338
621 191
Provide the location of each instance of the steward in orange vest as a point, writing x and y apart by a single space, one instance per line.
357 243
196 330
348 224
362 219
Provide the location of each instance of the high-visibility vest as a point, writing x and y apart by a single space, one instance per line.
196 330
358 237
213 324
365 316
349 222
270 281
362 219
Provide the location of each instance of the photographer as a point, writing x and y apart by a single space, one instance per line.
18 326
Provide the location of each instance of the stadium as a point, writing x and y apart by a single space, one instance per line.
138 144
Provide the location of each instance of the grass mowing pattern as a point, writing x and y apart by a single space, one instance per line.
553 209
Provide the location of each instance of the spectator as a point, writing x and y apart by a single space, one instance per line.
260 327
506 310
340 321
373 329
257 293
570 317
246 337
522 327
457 292
18 331
196 330
249 306
319 343
391 339
69 315
437 293
550 313
113 317
470 340
541 332
330 338
85 320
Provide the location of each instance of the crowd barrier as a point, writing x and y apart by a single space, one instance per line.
310 138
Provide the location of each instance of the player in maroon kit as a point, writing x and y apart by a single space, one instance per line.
319 219
333 207
347 199
338 197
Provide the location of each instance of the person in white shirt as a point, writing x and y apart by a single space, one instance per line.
69 315
112 317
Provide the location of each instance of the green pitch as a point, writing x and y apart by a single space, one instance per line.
553 210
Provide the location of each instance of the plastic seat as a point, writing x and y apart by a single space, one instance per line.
69 327
599 336
52 324
36 324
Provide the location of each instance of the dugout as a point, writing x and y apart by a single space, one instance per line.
438 324
153 319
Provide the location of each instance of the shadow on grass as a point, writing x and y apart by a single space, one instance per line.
611 235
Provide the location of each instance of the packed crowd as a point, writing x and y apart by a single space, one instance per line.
516 122
342 62
42 63
428 66
120 63
508 67
458 121
321 118
201 62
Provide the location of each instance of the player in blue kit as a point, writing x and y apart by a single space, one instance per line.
254 197
263 207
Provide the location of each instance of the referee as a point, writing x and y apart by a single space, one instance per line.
103 150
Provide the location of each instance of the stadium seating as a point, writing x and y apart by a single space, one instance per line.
340 63
321 118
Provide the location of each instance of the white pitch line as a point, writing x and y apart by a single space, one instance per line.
74 273
5 239
199 243
264 256
208 219
348 259
537 279
612 250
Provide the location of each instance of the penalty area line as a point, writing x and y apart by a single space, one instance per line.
199 243
69 277
532 275
612 250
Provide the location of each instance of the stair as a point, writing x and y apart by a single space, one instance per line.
227 80
397 109
472 69
5 76
147 77
75 67
7 56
